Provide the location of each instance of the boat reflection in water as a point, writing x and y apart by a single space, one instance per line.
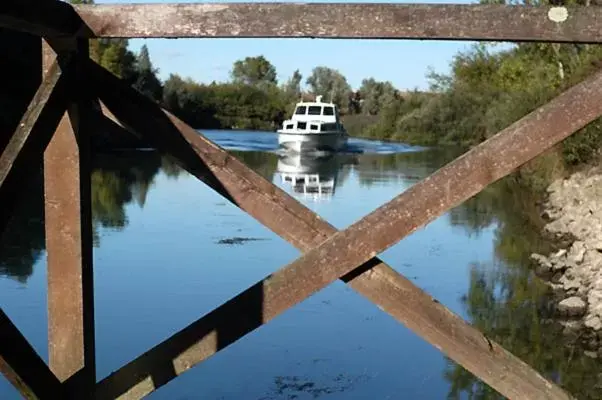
311 176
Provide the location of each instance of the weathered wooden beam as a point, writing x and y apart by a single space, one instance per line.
52 18
68 226
307 20
23 367
288 218
23 152
346 20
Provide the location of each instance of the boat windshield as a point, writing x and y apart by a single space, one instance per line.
314 110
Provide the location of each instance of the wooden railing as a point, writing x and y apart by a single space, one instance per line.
76 94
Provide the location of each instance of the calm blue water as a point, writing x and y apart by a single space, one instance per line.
159 265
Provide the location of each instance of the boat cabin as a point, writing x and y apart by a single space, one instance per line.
314 116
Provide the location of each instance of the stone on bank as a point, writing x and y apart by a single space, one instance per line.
574 211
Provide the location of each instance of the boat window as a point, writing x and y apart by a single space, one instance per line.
300 110
328 111
314 110
313 126
301 125
328 127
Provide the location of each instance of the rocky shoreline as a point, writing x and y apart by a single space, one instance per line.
573 213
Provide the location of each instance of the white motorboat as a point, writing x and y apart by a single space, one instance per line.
314 126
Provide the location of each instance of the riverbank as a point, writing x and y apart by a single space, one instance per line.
573 212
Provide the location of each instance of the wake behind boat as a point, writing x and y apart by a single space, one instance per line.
314 126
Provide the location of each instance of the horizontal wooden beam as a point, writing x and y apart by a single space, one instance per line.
346 20
24 151
294 222
23 367
307 20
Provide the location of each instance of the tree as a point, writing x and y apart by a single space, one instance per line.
254 71
114 55
328 82
376 96
146 81
293 85
143 62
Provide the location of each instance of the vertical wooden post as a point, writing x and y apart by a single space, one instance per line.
69 239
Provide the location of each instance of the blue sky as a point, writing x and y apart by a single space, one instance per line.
403 62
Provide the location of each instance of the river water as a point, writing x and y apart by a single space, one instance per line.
168 250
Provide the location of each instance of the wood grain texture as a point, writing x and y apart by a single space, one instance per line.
306 20
345 20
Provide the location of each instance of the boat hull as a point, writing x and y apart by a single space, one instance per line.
300 143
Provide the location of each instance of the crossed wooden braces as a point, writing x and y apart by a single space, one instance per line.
75 91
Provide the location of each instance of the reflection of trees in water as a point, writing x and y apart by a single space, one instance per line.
344 173
23 240
261 162
118 179
510 305
170 167
473 215
415 165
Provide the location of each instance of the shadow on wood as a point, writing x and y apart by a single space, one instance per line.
24 150
22 366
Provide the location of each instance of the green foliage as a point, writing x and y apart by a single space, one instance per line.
254 71
113 54
146 81
224 105
293 85
329 83
377 96
486 91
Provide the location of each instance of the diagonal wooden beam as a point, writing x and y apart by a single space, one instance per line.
23 367
24 151
378 282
